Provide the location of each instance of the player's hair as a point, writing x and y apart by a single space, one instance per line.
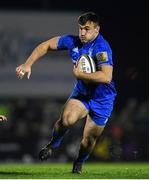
88 16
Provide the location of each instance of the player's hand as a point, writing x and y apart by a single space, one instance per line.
78 73
22 70
77 70
3 118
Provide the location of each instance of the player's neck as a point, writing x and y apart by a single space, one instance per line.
95 36
92 39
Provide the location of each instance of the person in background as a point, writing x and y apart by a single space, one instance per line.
3 118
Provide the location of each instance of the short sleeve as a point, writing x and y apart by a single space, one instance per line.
65 42
103 54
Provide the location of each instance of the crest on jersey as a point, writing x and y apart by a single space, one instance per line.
102 56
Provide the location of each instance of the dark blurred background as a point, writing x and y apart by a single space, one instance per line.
33 106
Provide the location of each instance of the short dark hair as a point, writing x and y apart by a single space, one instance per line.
88 16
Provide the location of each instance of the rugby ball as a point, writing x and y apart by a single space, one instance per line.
86 64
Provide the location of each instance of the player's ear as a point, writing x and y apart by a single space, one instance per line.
97 29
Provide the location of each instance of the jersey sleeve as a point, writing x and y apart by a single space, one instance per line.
103 54
65 42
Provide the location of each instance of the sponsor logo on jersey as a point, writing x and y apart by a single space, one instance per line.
102 56
75 50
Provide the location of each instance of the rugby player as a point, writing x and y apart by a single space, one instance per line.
94 93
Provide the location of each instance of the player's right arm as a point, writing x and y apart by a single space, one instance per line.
38 52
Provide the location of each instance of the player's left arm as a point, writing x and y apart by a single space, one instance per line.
104 75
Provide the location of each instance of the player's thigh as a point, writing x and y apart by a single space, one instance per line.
91 130
73 110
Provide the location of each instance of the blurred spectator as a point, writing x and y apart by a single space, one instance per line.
3 118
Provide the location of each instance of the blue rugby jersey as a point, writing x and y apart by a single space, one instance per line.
101 53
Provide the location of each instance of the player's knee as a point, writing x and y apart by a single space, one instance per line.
88 141
68 119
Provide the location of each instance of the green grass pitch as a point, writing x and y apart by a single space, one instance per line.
63 171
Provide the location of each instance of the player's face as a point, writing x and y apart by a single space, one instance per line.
88 32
